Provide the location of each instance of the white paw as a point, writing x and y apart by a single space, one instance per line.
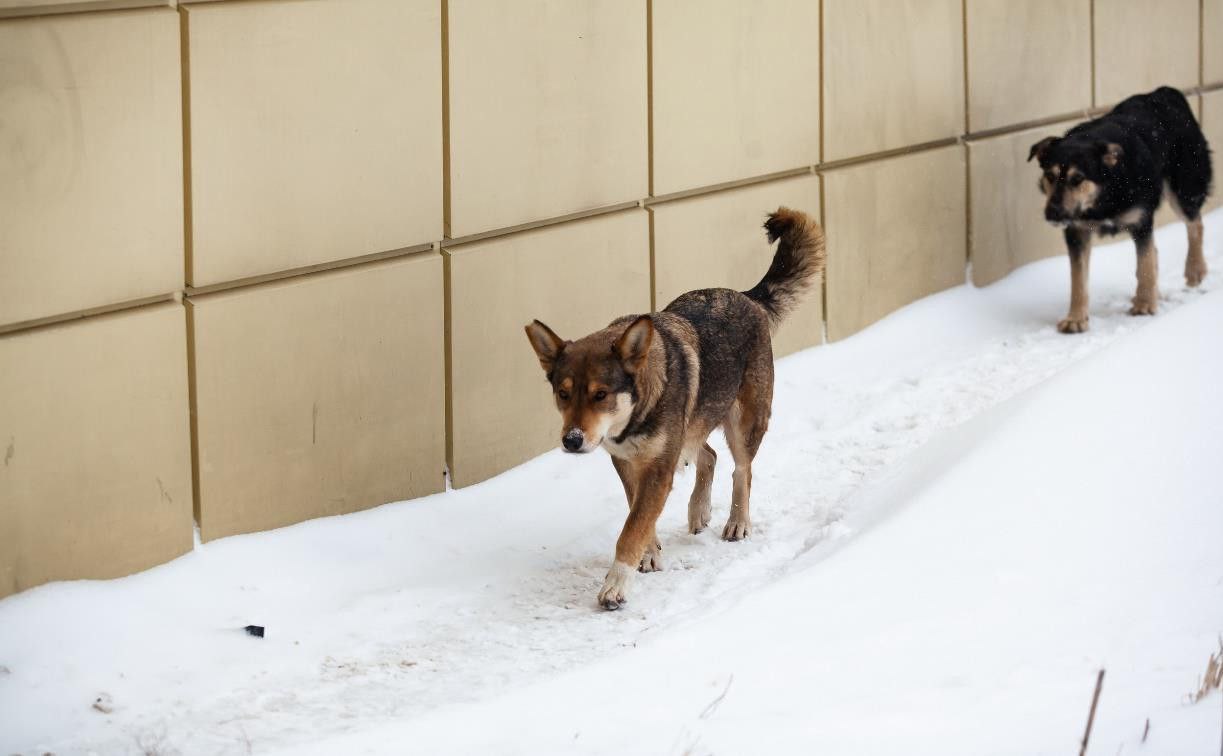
615 586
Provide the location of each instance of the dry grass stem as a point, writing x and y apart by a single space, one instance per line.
1213 679
1091 716
713 705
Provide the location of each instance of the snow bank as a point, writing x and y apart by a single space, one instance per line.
1076 526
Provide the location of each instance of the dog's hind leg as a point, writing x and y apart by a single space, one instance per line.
651 559
700 507
1078 246
1146 299
1189 177
745 427
1189 209
1195 261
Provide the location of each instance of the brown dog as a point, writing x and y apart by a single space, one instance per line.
651 388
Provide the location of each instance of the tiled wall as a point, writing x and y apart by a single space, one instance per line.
268 260
303 147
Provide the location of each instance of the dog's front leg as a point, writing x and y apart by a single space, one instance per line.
1078 246
651 484
1146 299
651 560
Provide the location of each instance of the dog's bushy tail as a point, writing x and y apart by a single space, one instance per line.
797 265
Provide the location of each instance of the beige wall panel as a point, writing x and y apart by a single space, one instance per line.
96 473
548 111
1141 45
307 147
1007 217
576 277
736 90
894 74
1027 60
1212 125
319 395
895 234
91 183
1212 42
718 240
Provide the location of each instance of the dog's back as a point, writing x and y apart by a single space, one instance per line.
1161 138
734 328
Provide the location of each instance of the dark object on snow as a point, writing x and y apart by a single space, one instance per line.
1108 176
255 630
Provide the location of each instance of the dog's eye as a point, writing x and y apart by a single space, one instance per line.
600 396
1049 177
1076 179
563 394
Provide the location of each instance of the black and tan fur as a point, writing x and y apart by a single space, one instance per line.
1109 175
651 388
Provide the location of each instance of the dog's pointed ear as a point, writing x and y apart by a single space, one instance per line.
1112 153
634 344
547 345
1040 148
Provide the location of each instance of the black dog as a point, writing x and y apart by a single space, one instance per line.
1109 175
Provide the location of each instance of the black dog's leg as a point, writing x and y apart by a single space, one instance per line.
1078 245
1189 177
1188 198
1195 261
1146 299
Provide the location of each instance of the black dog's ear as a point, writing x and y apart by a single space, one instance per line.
1112 154
545 342
1040 148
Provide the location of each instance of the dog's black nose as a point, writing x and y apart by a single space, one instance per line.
573 441
1053 213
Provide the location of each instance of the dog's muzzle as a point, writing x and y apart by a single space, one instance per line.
573 441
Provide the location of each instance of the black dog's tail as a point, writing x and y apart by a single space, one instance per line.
797 265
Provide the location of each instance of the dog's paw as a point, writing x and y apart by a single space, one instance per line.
614 593
651 560
737 529
1195 274
1072 324
1144 306
699 514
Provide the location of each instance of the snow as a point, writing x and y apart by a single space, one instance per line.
960 516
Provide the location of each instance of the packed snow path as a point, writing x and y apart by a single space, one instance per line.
454 605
